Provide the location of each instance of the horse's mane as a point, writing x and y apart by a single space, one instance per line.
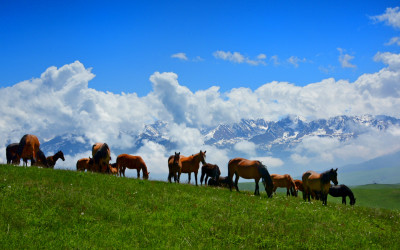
325 176
21 145
264 173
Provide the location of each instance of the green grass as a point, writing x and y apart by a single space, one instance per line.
45 208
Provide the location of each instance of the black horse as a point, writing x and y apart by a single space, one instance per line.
11 151
209 170
220 182
342 191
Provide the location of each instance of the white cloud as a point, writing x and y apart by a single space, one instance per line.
270 162
391 17
246 147
180 55
237 57
295 61
275 59
393 40
345 59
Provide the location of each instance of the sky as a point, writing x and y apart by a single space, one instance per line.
97 68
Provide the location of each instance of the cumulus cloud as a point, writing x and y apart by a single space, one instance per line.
180 55
249 148
345 59
391 17
60 101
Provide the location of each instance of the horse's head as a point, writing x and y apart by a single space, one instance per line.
352 202
333 176
203 156
269 187
177 156
61 155
146 175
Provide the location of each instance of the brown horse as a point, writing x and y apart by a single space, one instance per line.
209 170
41 160
319 183
101 156
174 167
11 151
192 163
249 169
132 162
299 187
84 164
51 160
27 149
285 181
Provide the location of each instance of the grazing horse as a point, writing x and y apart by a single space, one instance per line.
11 151
192 163
113 169
101 156
209 170
84 164
285 181
27 149
132 162
41 160
220 182
342 191
174 167
51 160
249 169
319 183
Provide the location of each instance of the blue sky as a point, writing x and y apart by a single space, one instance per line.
125 42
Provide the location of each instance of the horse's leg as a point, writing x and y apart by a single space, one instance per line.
287 191
205 181
189 175
138 173
257 191
344 200
195 177
179 176
202 178
236 182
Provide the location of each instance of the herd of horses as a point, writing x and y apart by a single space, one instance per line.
313 185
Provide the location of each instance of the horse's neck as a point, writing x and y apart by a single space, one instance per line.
195 158
56 157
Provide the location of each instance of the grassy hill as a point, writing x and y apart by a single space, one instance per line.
45 208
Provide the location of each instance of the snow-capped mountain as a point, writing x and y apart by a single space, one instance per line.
269 136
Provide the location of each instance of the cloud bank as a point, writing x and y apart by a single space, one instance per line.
60 101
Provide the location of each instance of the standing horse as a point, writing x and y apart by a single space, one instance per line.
132 162
250 170
342 191
11 151
319 183
192 163
51 160
27 149
101 155
174 167
285 181
84 164
209 170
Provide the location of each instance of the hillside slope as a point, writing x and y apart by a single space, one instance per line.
67 209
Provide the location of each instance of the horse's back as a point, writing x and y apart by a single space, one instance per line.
248 169
130 161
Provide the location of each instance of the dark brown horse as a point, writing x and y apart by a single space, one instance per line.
249 169
27 149
209 170
84 164
220 182
318 183
342 191
284 181
192 163
101 156
125 161
41 160
51 160
11 152
174 167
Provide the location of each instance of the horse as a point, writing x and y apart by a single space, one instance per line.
41 160
342 191
249 169
84 164
299 187
51 160
192 163
101 155
27 149
113 169
11 151
209 170
174 167
132 162
285 181
319 183
220 182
